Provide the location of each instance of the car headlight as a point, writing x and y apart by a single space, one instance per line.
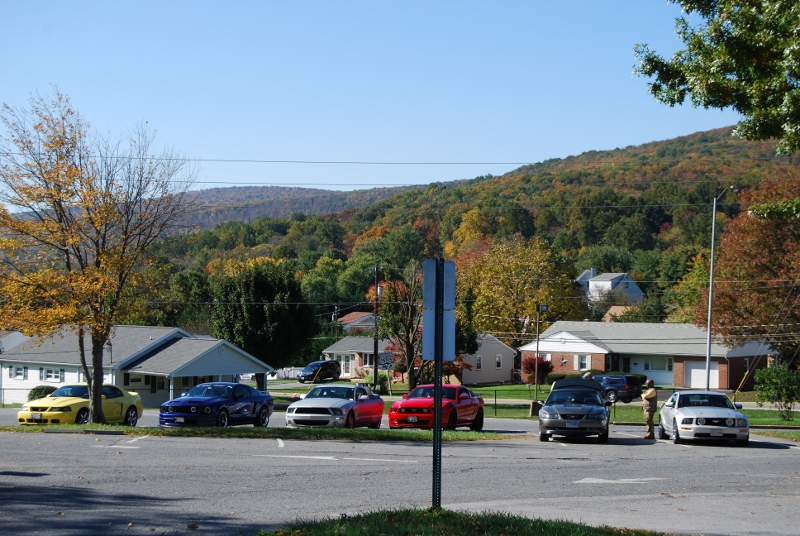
336 411
548 414
686 420
730 422
595 416
741 422
64 409
701 421
25 408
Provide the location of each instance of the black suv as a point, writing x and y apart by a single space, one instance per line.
618 387
318 371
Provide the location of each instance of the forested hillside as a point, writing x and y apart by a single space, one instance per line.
248 203
645 210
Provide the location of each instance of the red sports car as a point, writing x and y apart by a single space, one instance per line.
460 407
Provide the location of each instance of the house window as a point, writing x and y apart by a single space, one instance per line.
498 361
52 375
658 363
583 362
18 373
478 362
546 357
369 360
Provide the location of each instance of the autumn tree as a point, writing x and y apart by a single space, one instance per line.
508 282
742 55
757 275
77 216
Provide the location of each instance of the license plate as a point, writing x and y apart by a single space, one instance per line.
716 433
412 419
178 419
573 424
36 416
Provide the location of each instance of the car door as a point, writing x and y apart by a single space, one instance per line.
467 406
113 403
367 411
242 407
668 412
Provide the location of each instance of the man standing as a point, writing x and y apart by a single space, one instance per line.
649 405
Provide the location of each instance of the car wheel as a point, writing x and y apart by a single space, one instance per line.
452 420
83 416
477 424
603 436
743 442
611 396
626 400
301 381
222 418
543 437
350 420
335 377
676 438
662 434
262 419
131 417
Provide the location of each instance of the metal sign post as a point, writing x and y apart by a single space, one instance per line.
438 295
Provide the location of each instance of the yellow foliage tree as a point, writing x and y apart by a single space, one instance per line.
510 279
77 215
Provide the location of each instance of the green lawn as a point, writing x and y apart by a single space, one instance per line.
434 522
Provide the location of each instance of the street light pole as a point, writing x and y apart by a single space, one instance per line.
711 284
540 308
375 338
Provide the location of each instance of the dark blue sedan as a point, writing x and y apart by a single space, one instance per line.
218 404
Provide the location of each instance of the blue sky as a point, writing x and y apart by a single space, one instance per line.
467 88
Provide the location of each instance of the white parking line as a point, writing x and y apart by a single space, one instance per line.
383 460
617 481
301 457
280 443
137 439
112 447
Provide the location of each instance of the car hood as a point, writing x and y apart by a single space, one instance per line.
573 409
56 401
711 413
321 403
195 400
419 402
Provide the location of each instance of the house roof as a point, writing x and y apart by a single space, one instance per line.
607 277
62 348
158 350
615 310
349 318
639 338
351 344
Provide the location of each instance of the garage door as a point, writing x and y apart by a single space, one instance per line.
696 372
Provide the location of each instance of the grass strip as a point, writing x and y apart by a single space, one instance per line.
436 521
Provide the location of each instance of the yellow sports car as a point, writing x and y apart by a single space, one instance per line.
70 404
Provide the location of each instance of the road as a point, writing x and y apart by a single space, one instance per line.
171 485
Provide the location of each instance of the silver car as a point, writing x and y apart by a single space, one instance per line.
347 406
575 408
705 415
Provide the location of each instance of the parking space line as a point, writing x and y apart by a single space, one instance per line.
280 443
300 457
382 460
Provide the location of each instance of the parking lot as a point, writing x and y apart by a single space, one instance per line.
101 484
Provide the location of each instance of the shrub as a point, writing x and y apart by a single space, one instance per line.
529 366
40 391
779 385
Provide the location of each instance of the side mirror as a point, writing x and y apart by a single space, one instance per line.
463 396
405 395
669 404
738 406
363 397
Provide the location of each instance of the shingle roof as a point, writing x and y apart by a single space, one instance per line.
356 344
640 338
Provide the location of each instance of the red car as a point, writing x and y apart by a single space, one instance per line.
460 407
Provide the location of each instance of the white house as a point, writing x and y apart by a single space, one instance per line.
671 354
157 362
602 285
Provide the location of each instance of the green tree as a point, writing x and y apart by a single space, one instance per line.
78 215
261 310
779 385
743 55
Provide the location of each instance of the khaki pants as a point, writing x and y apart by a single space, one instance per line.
648 420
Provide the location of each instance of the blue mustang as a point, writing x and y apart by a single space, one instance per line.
218 404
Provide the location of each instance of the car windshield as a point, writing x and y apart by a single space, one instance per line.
78 391
578 397
705 400
427 392
313 366
207 390
345 393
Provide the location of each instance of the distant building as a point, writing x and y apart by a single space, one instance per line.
599 287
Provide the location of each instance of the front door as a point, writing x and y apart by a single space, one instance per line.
626 364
